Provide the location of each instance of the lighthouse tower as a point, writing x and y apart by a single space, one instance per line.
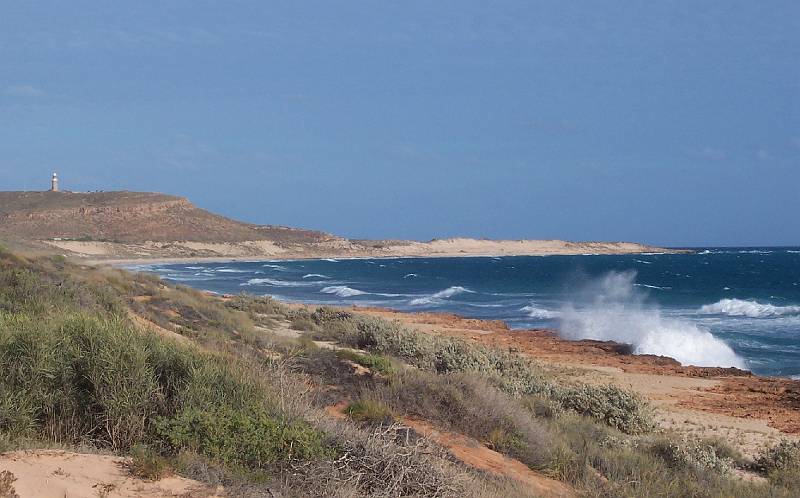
54 183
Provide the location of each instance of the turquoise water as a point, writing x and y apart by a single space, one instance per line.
714 307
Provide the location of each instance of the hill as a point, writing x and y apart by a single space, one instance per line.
129 217
140 225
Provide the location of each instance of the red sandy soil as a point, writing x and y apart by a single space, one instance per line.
475 454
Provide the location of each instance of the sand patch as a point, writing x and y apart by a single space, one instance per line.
59 474
83 248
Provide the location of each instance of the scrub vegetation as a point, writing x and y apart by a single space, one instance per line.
186 382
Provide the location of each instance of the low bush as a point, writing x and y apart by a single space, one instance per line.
619 408
302 324
370 411
252 439
781 463
7 480
469 405
146 463
257 305
376 363
685 453
513 373
783 455
379 462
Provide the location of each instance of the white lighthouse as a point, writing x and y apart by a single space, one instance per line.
54 183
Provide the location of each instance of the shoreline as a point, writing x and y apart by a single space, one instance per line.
274 258
672 363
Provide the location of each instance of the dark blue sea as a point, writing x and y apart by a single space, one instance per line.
714 307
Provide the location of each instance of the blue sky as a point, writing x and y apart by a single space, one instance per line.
673 123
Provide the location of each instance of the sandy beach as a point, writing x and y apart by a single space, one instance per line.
174 252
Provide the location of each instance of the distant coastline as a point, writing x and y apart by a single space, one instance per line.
127 227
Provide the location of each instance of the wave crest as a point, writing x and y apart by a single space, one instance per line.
342 291
439 296
275 282
540 313
748 308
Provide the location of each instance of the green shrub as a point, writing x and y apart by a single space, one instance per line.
471 406
7 485
377 363
691 454
781 463
84 379
370 411
512 373
783 455
504 441
146 463
302 324
257 305
619 408
252 439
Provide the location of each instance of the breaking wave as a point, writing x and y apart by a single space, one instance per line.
540 313
276 282
653 287
439 296
275 267
317 275
747 308
342 291
613 310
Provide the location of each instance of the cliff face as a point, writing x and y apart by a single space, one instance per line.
128 217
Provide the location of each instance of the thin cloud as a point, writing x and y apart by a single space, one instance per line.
24 91
708 154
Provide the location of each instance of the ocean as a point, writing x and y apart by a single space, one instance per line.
712 307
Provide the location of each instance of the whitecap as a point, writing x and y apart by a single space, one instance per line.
652 286
276 282
330 260
643 262
439 296
276 267
410 275
342 291
539 313
747 308
313 275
